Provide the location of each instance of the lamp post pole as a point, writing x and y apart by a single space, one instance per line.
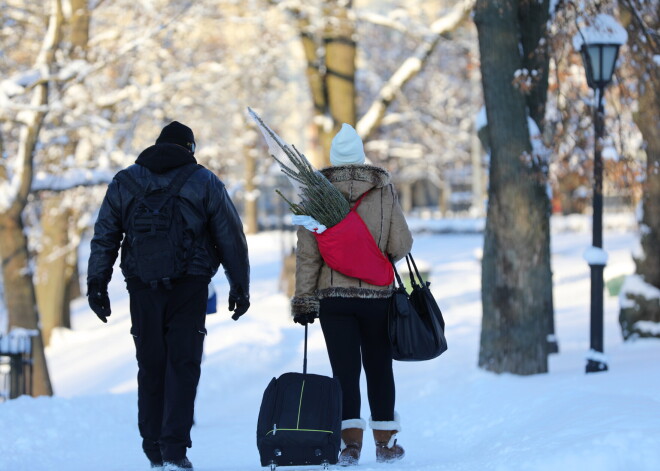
596 361
598 44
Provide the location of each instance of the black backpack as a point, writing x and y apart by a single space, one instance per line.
156 244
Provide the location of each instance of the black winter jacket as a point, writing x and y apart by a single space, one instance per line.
206 209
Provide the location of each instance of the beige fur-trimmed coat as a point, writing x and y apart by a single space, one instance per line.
382 214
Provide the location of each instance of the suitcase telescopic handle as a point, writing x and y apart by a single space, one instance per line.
305 354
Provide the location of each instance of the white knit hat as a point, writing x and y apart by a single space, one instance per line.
347 148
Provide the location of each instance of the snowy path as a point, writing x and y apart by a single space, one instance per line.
455 416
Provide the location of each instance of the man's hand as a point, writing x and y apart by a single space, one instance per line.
97 297
238 303
304 319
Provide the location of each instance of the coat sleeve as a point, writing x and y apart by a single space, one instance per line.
400 239
308 266
108 233
228 237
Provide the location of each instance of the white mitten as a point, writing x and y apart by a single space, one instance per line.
309 223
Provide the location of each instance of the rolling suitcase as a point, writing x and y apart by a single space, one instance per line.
300 420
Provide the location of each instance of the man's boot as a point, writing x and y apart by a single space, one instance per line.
385 432
352 432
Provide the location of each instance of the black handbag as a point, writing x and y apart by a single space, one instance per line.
415 323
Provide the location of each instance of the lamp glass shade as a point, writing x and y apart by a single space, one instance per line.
608 60
596 63
599 61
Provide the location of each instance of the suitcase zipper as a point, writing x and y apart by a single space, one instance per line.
302 389
298 429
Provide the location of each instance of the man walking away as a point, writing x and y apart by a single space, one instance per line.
175 224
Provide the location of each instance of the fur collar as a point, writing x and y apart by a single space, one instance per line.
366 173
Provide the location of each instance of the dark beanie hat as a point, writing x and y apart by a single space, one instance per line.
177 133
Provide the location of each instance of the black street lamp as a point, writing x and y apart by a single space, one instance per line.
599 46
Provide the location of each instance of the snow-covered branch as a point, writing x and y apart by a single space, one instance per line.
411 67
73 178
16 188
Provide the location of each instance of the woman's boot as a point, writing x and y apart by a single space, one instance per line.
351 441
385 432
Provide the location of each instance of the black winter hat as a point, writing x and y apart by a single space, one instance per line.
177 133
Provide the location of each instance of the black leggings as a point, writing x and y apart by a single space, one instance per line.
355 332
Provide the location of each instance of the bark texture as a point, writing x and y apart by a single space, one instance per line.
641 19
533 19
330 56
54 267
20 298
516 265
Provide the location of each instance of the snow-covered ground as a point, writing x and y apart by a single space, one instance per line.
455 416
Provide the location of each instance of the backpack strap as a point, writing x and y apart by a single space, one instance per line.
173 188
131 184
181 178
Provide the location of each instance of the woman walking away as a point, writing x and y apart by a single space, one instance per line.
352 312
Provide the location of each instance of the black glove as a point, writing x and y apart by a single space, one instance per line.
97 297
238 303
304 319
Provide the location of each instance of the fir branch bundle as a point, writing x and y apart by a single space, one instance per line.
320 199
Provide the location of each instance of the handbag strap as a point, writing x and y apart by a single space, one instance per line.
413 283
396 273
421 281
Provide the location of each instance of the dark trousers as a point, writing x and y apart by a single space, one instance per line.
168 329
355 332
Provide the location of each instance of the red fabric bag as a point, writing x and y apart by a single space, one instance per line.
349 248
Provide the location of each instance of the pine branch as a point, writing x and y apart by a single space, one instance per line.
320 199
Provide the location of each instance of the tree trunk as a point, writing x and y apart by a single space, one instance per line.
515 265
74 281
331 73
19 295
53 267
641 19
79 32
57 261
533 19
340 50
648 122
638 306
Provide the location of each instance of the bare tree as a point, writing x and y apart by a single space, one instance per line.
328 31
